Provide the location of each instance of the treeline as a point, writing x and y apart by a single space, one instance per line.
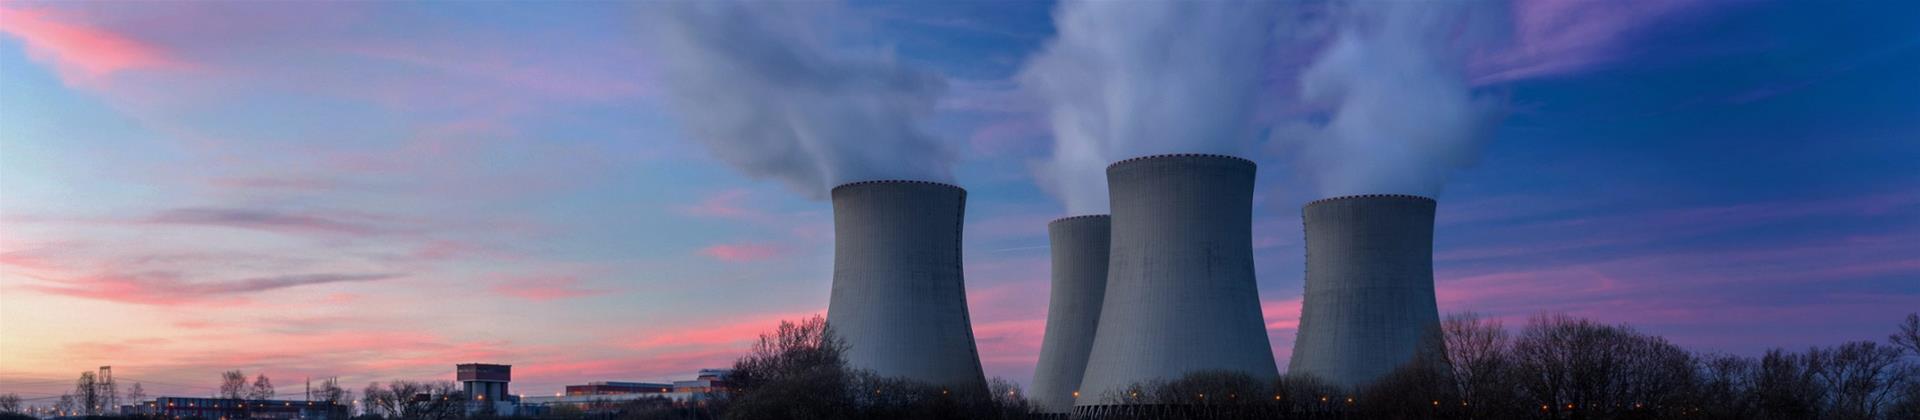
1559 367
1554 367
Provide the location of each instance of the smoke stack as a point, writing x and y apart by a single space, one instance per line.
899 300
1369 304
1180 289
1080 245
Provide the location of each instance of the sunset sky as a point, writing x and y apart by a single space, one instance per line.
380 190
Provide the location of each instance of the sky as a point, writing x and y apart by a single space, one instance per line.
593 191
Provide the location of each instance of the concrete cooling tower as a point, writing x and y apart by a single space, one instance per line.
1369 304
1180 289
898 298
1080 246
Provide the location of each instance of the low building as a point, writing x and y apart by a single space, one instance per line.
213 408
618 388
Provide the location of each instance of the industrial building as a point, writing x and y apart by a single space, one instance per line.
1079 246
214 408
618 388
484 382
899 300
1369 302
1180 293
597 397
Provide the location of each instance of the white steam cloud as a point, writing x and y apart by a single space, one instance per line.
1395 113
1403 117
1126 79
760 85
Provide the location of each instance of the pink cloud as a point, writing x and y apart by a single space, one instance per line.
1281 314
726 204
262 220
1554 38
737 332
167 289
542 289
83 54
746 252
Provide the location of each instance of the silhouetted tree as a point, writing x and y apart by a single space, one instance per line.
262 388
136 393
1862 378
86 394
337 401
9 403
786 371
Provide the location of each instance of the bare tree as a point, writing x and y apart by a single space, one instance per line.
1477 354
1726 386
785 371
415 400
338 401
86 394
233 385
136 394
262 388
1786 386
1862 377
1581 369
1908 335
67 405
9 403
373 399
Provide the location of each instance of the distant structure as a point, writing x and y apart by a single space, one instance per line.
214 408
618 388
1369 304
899 300
484 382
1180 289
1079 245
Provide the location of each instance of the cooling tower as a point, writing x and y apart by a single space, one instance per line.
1369 303
899 300
1080 246
1180 290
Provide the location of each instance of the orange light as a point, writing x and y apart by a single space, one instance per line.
1076 394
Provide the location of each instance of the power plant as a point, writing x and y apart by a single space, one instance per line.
1180 293
899 300
1079 246
1369 303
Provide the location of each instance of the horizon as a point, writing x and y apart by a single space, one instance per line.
379 191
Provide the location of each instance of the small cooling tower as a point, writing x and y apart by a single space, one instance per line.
1079 246
1369 304
899 300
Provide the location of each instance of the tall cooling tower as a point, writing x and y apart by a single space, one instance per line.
1180 289
1369 304
1080 246
899 300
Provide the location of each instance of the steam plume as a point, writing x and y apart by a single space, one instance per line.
1390 108
1125 79
1403 117
759 85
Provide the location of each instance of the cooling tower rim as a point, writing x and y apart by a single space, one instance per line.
1083 216
1370 196
896 181
1180 155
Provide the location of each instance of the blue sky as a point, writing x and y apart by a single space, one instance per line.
379 190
